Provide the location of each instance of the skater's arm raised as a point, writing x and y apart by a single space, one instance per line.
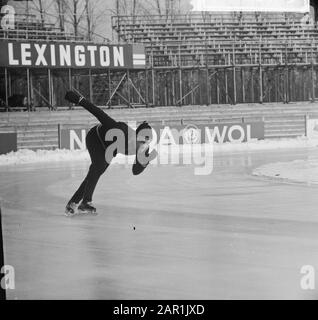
100 115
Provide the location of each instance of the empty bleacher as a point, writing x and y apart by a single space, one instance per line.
221 39
29 27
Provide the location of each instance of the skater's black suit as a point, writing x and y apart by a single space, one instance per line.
96 145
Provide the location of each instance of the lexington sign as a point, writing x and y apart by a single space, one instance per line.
70 55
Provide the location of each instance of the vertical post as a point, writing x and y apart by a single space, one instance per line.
234 86
234 77
91 94
128 88
292 94
173 88
243 84
260 84
206 62
31 92
260 75
192 82
201 80
53 94
109 88
70 79
28 88
313 94
252 86
139 86
6 88
285 85
180 77
70 84
9 84
146 88
208 86
180 85
50 87
153 86
226 87
313 83
166 88
217 87
303 84
153 79
286 76
276 84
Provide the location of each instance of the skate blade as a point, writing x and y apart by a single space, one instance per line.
87 213
70 215
80 214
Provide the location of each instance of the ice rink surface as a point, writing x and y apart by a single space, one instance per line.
228 235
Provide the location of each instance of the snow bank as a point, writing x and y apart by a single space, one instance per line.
301 171
40 156
262 145
43 156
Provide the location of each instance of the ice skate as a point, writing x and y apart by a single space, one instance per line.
87 208
70 209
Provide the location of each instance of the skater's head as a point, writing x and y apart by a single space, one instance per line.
143 135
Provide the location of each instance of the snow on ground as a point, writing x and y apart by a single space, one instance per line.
44 156
40 156
300 171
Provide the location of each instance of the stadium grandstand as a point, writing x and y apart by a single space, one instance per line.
195 59
213 58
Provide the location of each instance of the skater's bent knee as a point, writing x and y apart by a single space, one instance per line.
99 168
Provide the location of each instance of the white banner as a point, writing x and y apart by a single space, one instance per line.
252 5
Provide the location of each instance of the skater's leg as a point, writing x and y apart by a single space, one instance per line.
97 168
78 195
86 190
94 151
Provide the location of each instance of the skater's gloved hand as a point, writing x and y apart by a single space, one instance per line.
152 156
142 161
73 97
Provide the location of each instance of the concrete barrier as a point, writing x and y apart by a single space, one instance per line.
40 130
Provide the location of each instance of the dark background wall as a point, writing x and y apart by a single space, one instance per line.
8 142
